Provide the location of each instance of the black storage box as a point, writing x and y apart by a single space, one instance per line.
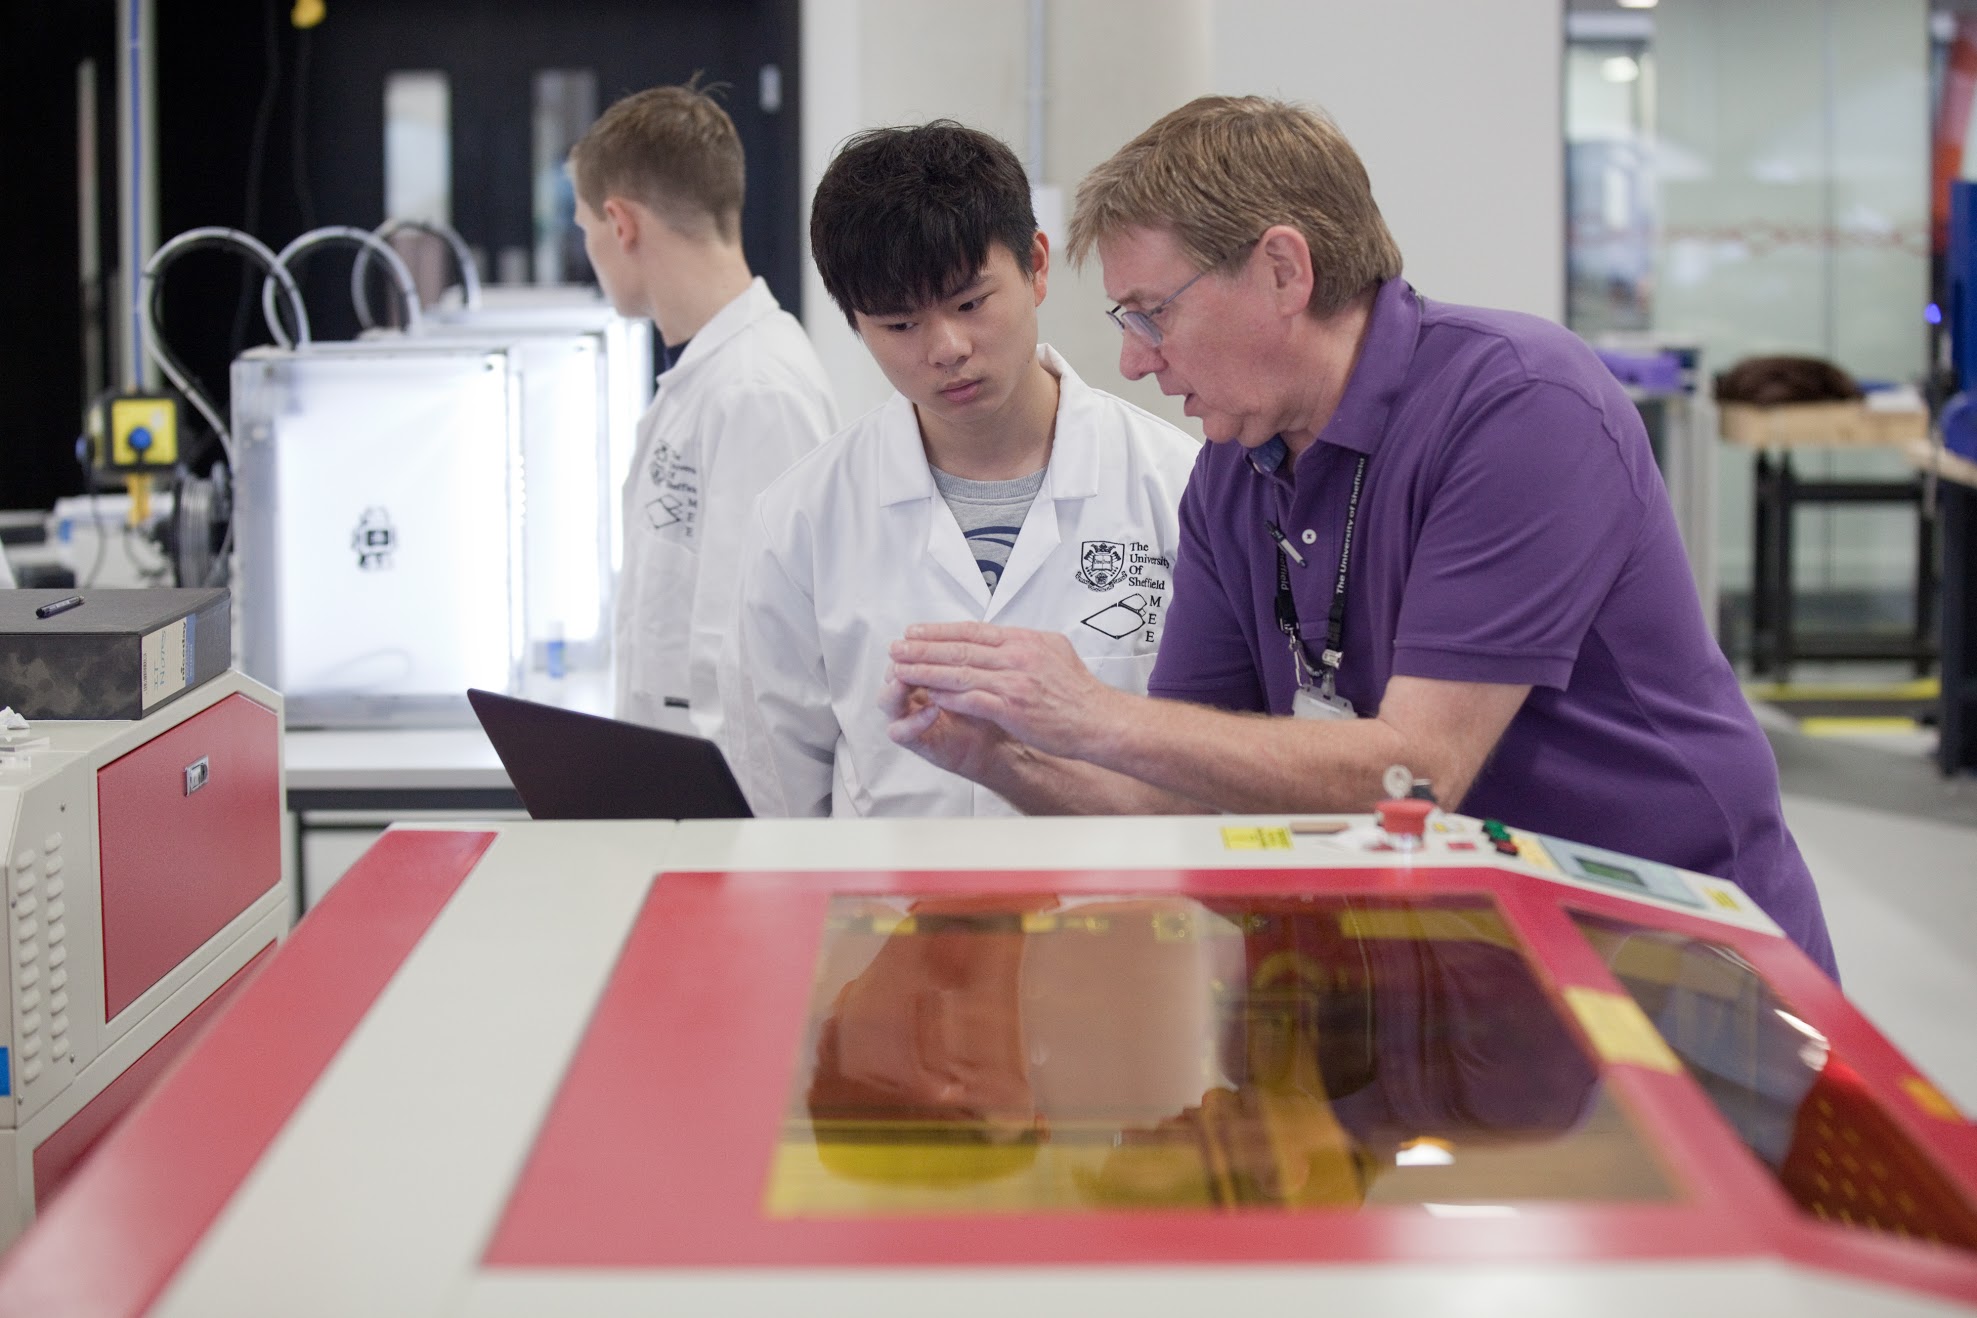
119 654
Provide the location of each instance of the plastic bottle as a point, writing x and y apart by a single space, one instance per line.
553 652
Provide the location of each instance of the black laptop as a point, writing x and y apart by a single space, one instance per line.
568 765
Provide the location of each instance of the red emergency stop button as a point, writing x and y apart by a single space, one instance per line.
1406 817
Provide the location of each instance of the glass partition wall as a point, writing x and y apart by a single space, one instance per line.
1754 179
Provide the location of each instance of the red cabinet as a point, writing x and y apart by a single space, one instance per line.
189 830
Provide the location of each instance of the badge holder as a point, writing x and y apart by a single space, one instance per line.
1318 699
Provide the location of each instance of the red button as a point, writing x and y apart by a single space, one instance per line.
1405 817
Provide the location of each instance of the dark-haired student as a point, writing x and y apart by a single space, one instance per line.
995 485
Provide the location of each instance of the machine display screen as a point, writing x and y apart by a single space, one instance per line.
1796 1103
997 1053
1613 873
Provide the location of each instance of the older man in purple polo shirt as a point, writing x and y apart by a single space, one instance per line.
1421 534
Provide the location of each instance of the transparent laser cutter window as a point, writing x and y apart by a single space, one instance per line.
1798 1104
1022 1054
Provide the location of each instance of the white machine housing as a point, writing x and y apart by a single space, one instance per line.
143 868
629 362
379 513
586 377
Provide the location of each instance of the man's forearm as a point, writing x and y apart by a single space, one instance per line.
1041 784
1154 756
1084 737
1243 763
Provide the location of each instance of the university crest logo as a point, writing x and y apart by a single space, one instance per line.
1102 564
659 466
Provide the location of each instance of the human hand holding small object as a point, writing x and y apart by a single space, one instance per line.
1032 685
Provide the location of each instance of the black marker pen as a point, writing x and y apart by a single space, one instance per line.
54 607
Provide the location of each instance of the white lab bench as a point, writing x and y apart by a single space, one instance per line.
346 784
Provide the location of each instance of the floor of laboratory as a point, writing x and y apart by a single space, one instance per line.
1893 847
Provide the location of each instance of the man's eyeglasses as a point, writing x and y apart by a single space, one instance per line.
1143 323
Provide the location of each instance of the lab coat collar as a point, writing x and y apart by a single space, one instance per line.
750 305
1073 469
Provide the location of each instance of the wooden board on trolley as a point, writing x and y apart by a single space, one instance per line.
1821 425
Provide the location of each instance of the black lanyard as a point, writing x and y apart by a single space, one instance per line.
1287 605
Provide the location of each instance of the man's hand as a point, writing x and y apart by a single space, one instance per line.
1030 684
954 742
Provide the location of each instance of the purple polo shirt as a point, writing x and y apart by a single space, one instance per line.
1513 529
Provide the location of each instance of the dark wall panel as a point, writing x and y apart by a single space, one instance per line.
41 379
274 130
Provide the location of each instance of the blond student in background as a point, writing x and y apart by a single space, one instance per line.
659 185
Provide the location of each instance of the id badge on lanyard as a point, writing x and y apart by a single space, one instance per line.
1320 698
1321 702
1317 695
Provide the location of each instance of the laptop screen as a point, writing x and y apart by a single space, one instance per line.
570 765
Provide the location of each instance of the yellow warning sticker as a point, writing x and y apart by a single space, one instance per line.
1478 926
1929 1098
1256 839
1532 852
1619 1030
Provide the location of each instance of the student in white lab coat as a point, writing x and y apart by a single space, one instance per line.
659 193
995 485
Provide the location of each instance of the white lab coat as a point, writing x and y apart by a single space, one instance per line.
746 399
855 542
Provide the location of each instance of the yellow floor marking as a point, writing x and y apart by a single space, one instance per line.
1922 688
1841 727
